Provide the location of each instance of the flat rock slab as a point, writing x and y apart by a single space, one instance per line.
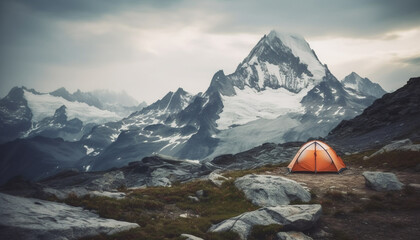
29 218
291 217
292 236
271 191
381 181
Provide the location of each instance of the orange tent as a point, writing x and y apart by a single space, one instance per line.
316 156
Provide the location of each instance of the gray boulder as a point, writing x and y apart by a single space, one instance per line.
291 217
216 178
270 191
381 181
158 182
28 218
292 235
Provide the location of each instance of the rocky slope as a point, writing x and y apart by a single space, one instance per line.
149 172
24 111
38 157
15 115
394 116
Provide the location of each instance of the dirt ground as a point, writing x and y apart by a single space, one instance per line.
353 211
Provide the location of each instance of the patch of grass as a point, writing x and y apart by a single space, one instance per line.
313 194
334 195
157 210
391 201
339 214
265 232
357 209
340 235
394 160
263 169
409 190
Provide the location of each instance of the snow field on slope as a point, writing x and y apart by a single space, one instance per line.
252 134
44 105
249 105
300 48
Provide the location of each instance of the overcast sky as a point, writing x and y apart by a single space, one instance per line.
148 48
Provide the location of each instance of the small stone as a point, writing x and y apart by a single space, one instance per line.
365 158
190 237
199 193
322 234
187 215
217 179
415 186
292 236
193 198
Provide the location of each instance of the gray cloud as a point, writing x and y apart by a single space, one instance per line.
82 35
415 60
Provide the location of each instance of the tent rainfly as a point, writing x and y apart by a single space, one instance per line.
316 156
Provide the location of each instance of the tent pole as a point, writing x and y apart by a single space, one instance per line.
315 157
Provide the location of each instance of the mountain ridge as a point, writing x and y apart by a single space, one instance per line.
271 97
362 85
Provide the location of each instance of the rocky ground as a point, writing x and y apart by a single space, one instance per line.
258 203
353 211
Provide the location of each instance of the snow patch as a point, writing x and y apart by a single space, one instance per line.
252 134
300 48
249 105
114 137
44 105
354 94
338 110
88 150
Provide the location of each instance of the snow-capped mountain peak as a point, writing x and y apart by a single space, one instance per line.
362 85
279 61
301 49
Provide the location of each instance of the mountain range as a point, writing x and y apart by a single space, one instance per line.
25 112
280 92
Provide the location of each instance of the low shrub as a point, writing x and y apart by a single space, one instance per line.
268 232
